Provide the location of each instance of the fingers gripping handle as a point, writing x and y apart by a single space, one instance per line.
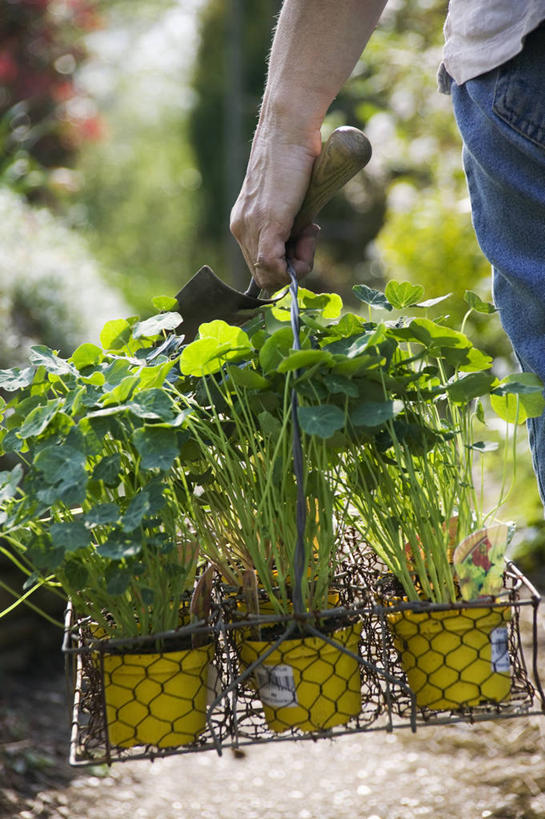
345 153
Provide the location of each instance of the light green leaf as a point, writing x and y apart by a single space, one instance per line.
164 303
152 377
157 324
246 377
39 418
477 304
277 347
16 379
298 359
218 342
374 298
42 356
403 294
518 397
157 446
9 481
115 334
86 355
323 420
120 393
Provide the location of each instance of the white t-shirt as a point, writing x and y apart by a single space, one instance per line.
482 34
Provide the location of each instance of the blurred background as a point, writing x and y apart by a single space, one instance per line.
125 128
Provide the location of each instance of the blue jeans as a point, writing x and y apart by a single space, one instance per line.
501 116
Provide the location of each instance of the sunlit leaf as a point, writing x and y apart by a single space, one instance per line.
477 304
403 294
157 324
41 356
115 334
86 355
374 298
164 303
16 379
518 397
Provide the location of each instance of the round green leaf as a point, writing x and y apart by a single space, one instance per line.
42 356
298 359
157 447
374 413
403 294
39 418
470 386
374 298
86 355
518 397
164 303
115 334
156 324
323 420
69 536
248 378
16 379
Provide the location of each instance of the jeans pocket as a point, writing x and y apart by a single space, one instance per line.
519 95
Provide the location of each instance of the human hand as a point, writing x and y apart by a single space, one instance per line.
273 190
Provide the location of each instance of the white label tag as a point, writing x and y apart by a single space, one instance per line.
499 649
276 685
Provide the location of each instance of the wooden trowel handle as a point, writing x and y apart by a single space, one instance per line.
345 153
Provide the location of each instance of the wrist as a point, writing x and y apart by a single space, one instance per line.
290 121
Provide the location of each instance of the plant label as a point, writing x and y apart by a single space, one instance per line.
499 649
276 685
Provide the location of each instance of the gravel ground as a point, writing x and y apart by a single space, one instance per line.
489 770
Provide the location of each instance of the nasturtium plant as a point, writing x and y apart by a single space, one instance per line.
133 451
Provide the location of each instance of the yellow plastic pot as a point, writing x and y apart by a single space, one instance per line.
156 699
307 683
454 658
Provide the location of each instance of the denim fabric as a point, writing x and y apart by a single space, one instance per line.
501 116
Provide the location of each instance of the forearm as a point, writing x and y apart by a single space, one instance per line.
316 45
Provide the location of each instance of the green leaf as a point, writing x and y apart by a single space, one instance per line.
484 446
433 336
16 379
298 359
118 582
137 509
518 397
471 386
108 470
60 463
277 347
374 298
477 304
157 324
157 447
75 573
246 377
9 481
39 418
42 356
433 302
330 305
403 294
104 514
120 546
115 334
338 384
474 360
116 372
374 413
153 404
120 393
218 342
154 377
86 355
323 420
164 303
356 345
269 424
70 536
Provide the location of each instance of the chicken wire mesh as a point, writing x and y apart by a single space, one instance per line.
362 666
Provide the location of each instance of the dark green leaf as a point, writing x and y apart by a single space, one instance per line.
374 413
322 420
157 447
470 386
108 470
374 298
153 404
137 509
102 515
118 582
339 384
119 546
69 536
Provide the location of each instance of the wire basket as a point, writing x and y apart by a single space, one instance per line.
354 668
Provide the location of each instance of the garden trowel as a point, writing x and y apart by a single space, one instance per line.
205 297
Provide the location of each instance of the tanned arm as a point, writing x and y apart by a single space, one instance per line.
316 45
